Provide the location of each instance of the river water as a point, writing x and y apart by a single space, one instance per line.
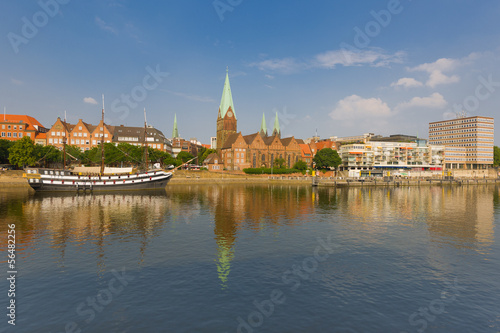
245 258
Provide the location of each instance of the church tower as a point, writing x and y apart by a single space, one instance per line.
276 129
226 118
263 127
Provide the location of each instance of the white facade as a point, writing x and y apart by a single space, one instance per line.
391 155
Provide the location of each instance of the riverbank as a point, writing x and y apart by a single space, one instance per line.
14 179
405 182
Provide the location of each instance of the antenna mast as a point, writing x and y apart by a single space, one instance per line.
102 137
64 141
145 141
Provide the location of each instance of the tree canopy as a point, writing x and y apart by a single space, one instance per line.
22 153
327 158
4 150
496 156
184 156
300 165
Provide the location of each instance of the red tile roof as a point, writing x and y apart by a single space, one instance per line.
13 118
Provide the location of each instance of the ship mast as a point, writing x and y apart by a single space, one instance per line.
102 138
145 141
64 141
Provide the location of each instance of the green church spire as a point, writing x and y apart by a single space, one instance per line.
263 127
175 131
227 99
276 128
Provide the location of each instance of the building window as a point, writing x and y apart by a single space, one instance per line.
58 133
3 134
9 134
8 126
20 127
80 128
50 140
20 135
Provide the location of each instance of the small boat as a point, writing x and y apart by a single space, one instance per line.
98 178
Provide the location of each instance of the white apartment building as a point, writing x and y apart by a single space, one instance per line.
373 158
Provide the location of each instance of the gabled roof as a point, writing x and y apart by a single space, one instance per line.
305 149
231 139
210 159
300 141
41 136
13 118
227 98
249 138
287 141
268 140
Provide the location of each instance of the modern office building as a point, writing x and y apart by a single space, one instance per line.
469 141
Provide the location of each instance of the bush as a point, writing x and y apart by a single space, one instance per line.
267 171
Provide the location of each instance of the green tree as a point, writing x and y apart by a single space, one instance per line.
46 155
170 160
327 158
184 156
496 156
201 151
279 163
300 165
4 150
205 155
22 153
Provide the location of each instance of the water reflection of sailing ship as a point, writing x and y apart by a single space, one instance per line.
101 179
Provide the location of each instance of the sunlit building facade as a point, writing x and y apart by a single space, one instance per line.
469 141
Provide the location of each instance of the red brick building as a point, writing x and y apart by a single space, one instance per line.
15 127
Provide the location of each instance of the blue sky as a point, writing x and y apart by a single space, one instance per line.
339 67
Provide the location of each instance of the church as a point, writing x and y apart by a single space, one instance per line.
237 151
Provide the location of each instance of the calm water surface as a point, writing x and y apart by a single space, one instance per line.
238 258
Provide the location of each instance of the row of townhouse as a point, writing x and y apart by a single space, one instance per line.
86 136
82 134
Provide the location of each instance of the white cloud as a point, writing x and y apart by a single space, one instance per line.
191 97
373 57
270 77
434 101
285 66
89 100
104 26
17 82
441 66
407 82
356 107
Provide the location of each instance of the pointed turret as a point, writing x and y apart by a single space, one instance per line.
227 123
276 128
226 101
263 127
175 131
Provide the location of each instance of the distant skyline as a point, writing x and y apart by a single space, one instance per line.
342 68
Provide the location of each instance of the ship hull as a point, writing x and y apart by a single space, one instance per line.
152 180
